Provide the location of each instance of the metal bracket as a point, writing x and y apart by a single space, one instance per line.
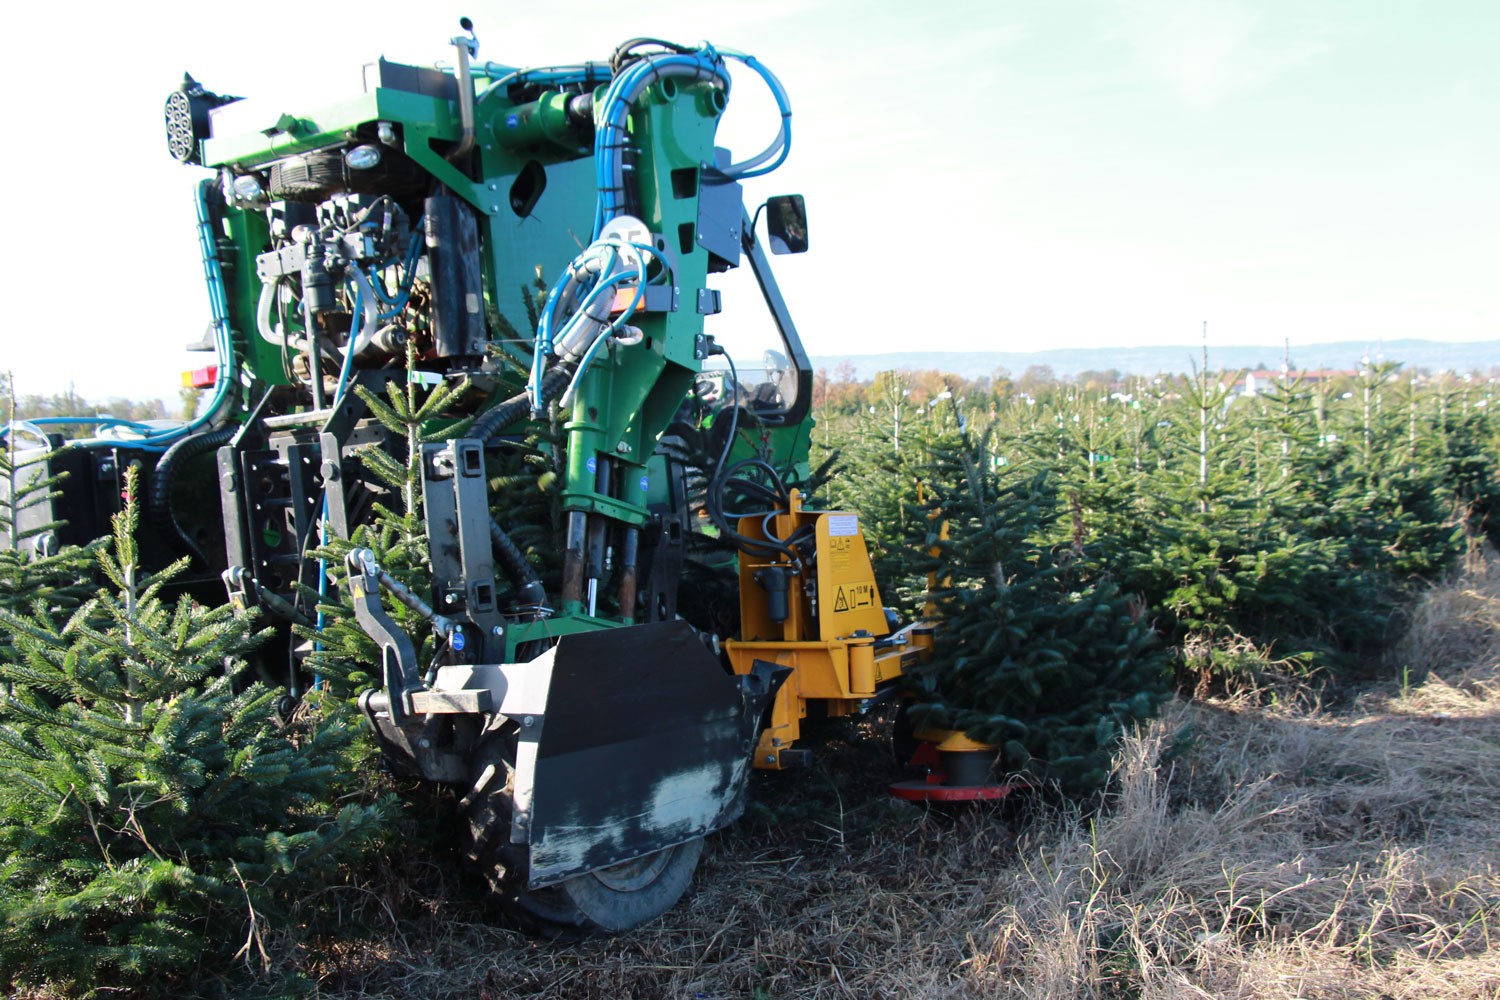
398 658
451 702
455 500
241 587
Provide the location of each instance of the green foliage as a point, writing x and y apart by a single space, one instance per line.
344 655
152 816
1039 651
887 454
1294 522
408 411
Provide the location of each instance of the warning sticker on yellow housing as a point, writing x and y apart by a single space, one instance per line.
843 524
854 596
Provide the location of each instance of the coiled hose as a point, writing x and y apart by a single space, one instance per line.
492 420
159 495
529 590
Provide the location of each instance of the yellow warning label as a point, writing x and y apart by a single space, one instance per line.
854 596
841 553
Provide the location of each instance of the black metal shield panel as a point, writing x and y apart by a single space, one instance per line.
645 744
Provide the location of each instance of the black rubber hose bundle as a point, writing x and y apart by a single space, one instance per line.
503 414
159 496
528 586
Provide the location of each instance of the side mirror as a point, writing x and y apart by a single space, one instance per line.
786 222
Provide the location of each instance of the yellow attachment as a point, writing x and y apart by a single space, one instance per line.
840 674
833 619
840 600
929 607
846 580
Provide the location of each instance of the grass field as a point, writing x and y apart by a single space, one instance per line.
1260 845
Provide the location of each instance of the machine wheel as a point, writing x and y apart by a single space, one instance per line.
611 900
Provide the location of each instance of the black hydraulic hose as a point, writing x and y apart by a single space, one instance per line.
159 496
529 589
621 54
492 420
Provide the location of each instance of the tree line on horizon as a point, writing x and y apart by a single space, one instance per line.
840 390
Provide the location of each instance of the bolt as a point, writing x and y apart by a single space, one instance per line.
497 631
528 722
770 758
424 743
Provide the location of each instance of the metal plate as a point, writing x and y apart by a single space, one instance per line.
645 745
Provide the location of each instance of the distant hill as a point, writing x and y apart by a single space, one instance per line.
1435 355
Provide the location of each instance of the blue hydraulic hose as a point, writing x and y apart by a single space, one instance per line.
101 421
555 76
225 373
542 346
610 135
348 365
611 330
398 301
610 138
706 63
213 276
338 396
752 167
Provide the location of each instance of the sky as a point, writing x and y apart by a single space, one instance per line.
1008 175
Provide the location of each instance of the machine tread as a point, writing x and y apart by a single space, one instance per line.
553 911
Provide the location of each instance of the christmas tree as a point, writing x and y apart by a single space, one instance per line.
152 812
1039 651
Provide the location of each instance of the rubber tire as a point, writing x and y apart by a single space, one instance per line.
610 901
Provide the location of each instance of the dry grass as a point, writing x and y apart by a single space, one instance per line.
1244 851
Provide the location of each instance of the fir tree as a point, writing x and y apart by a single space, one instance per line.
885 459
151 815
344 654
1039 651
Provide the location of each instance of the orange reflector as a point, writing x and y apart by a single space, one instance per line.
200 378
623 298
